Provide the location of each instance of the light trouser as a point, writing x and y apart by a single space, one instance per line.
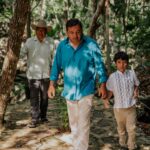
38 98
126 121
79 120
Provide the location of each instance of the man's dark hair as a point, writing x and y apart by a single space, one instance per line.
121 55
73 22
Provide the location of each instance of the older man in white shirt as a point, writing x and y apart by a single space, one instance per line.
38 50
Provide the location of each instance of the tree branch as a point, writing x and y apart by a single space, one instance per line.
94 25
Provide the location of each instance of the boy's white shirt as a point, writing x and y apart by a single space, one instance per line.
122 86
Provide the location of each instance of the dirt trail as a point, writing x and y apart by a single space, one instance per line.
103 134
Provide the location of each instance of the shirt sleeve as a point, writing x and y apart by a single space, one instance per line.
99 64
136 81
109 84
56 66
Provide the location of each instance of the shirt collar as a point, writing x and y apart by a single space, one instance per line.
126 71
83 40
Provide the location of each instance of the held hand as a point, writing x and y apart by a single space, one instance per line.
106 103
51 91
102 91
135 94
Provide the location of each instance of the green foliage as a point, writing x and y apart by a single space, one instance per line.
6 9
132 30
59 11
18 88
63 114
129 20
2 5
118 7
141 37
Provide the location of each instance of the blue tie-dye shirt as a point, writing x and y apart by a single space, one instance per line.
80 67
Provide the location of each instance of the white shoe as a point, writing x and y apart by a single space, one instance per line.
67 138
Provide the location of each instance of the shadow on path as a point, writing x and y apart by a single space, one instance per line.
103 134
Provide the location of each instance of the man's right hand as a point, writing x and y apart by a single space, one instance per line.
51 90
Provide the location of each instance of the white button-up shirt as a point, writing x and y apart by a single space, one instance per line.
122 86
38 57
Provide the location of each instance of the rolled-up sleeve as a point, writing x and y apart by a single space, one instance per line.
99 64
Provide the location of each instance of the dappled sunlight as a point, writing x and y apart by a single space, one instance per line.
27 137
18 135
22 122
72 90
106 146
12 139
103 133
38 68
50 142
65 137
72 71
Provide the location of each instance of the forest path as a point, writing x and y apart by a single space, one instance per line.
48 136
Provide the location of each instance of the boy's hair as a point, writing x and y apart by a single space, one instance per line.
73 22
121 55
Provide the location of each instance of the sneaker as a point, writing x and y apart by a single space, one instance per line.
67 138
123 148
137 148
32 124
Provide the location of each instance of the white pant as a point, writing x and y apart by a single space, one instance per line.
79 120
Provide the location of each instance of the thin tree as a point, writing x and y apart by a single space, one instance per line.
16 31
94 24
107 45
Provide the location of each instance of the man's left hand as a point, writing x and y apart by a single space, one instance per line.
102 91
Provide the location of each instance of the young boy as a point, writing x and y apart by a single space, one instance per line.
123 84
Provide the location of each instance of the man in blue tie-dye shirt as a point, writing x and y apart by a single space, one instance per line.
80 59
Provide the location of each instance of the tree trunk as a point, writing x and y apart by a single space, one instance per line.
94 5
85 4
28 30
124 19
94 25
17 25
43 9
107 46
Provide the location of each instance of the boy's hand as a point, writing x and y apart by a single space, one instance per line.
106 103
102 91
136 93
